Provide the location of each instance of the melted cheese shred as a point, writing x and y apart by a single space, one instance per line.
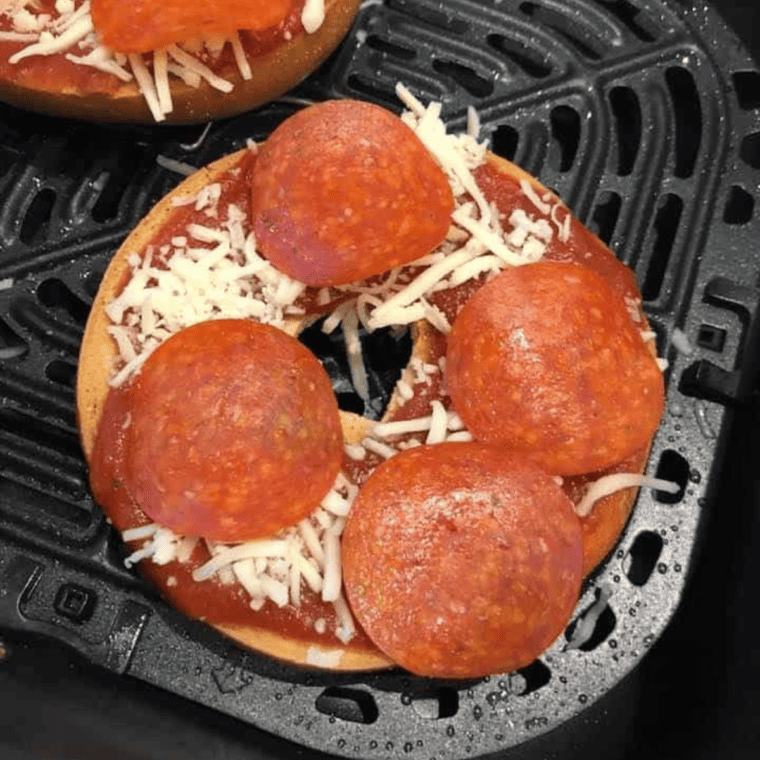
69 29
313 15
585 625
609 484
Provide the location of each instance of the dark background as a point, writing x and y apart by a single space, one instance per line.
696 695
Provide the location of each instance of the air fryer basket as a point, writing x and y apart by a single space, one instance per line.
643 115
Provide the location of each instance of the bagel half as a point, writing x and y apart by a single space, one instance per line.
52 85
96 363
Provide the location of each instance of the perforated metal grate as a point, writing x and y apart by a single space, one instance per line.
643 116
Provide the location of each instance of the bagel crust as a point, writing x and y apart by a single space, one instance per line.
55 86
98 357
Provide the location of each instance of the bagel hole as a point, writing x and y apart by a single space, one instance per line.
385 353
352 705
640 561
350 402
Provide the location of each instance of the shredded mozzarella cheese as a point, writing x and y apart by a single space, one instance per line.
379 448
313 15
354 353
681 342
584 627
439 421
609 484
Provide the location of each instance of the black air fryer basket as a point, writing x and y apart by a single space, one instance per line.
644 115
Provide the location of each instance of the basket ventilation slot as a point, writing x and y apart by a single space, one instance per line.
605 215
640 561
435 703
605 624
468 78
47 327
12 346
688 119
566 137
36 225
749 151
350 704
530 678
666 222
55 294
673 467
747 87
504 141
740 206
390 48
641 26
626 110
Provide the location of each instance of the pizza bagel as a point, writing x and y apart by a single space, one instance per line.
312 591
115 61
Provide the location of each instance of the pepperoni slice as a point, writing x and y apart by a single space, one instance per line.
344 190
139 26
462 559
546 359
234 432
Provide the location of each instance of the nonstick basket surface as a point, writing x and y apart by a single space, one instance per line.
643 115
